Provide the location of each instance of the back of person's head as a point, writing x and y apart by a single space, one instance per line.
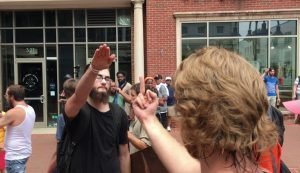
67 76
223 103
69 87
17 91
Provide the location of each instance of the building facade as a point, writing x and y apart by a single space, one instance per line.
44 40
265 32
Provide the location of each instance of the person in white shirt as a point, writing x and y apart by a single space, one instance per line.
20 122
296 95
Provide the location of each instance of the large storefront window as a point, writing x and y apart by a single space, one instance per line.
7 71
283 59
60 41
264 43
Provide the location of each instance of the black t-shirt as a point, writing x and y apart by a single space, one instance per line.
98 149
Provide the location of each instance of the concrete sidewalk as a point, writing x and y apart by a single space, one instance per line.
291 150
44 144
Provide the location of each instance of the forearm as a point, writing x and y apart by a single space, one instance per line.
263 75
294 91
5 120
126 97
52 164
83 88
160 137
125 163
136 142
85 85
277 92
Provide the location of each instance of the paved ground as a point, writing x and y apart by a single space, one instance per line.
44 145
291 150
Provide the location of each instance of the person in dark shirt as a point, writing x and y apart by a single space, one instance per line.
171 98
104 147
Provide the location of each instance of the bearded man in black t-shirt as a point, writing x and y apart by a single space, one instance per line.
104 145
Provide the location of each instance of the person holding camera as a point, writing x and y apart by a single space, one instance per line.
271 82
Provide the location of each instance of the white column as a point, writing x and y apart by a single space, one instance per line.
138 44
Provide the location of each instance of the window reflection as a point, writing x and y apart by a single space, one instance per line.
79 16
64 18
124 59
51 51
124 17
249 28
189 46
255 52
65 35
29 35
6 35
193 30
29 18
50 35
7 71
80 52
6 19
101 34
50 18
283 27
282 56
124 34
254 41
80 35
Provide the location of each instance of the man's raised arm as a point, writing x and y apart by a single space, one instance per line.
101 60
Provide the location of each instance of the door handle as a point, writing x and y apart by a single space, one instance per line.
42 98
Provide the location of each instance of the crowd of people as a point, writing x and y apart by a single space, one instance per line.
221 99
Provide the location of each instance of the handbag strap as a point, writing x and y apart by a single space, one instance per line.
273 162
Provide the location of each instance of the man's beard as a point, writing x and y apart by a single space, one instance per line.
101 96
9 104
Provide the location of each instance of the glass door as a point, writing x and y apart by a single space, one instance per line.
31 74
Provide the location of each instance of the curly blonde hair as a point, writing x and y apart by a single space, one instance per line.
223 104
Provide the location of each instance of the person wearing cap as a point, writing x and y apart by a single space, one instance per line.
163 94
171 98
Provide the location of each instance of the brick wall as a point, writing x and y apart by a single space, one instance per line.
160 25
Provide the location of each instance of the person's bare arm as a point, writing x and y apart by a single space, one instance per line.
9 117
126 97
52 164
294 91
136 142
124 157
175 157
265 73
277 92
101 60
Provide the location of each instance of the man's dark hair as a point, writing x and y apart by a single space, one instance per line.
121 72
17 91
271 68
69 87
158 76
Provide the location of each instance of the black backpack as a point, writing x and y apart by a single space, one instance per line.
67 145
